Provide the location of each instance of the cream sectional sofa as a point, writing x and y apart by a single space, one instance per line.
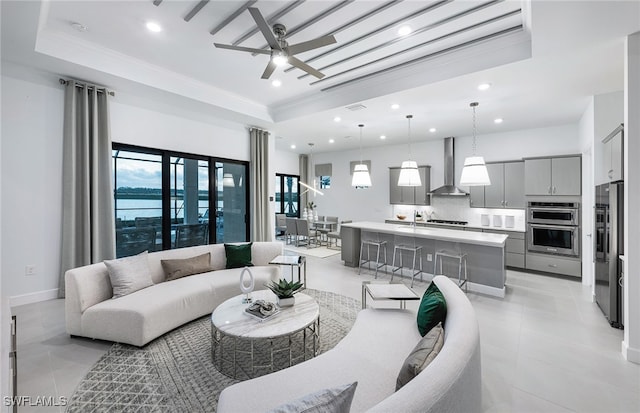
146 314
372 354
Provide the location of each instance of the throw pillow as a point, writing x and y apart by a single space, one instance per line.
334 400
174 269
423 353
129 274
432 310
238 255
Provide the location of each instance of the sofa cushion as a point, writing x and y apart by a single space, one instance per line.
423 353
174 269
129 274
238 255
337 400
432 310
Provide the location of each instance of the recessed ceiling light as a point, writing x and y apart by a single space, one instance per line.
432 130
154 27
484 86
497 120
337 119
79 27
404 30
293 146
276 83
383 137
395 106
332 140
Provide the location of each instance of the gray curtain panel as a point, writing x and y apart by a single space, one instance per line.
88 228
261 222
304 177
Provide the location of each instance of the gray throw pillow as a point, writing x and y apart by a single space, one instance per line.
334 400
423 353
129 274
174 269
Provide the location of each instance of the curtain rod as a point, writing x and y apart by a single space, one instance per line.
89 85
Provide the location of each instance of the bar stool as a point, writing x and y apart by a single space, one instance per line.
373 243
417 250
456 255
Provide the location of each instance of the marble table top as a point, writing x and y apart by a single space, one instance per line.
230 317
390 291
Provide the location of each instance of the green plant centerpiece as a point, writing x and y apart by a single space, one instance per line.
311 205
285 291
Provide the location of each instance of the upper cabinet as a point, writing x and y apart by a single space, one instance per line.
552 176
612 157
506 189
410 195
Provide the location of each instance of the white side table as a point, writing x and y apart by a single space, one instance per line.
387 291
293 261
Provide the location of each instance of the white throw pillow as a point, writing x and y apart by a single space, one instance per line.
334 400
129 274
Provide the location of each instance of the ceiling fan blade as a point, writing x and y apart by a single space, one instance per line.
303 66
241 49
311 44
268 71
264 28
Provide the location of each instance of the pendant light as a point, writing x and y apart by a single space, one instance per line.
409 175
313 188
361 177
474 172
227 180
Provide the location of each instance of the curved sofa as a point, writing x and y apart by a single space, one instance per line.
146 314
372 354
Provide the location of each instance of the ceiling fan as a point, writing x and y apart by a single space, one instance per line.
281 52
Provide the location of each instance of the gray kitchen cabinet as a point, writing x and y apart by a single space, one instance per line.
476 196
494 193
514 185
410 195
612 160
506 189
552 176
515 247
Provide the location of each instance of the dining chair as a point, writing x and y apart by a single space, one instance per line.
291 232
335 235
309 235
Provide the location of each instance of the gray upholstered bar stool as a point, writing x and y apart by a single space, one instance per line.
456 255
416 250
372 243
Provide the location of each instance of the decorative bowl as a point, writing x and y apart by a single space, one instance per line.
401 217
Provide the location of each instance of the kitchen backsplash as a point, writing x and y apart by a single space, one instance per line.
456 208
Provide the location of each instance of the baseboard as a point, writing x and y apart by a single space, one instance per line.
35 297
630 354
487 290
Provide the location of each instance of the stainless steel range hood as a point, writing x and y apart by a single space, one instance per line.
449 188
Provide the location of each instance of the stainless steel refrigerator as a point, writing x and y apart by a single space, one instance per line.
609 245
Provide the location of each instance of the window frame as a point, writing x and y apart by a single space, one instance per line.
166 156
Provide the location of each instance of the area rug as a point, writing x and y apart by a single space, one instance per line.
319 252
174 373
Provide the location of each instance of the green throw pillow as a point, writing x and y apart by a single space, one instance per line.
433 309
238 255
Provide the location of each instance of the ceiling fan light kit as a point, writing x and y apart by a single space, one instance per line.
280 51
474 172
409 175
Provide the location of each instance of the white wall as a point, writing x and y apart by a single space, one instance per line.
586 132
608 114
31 171
285 162
373 203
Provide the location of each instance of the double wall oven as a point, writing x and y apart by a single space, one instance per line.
554 228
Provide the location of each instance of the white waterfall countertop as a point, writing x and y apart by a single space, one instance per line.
452 235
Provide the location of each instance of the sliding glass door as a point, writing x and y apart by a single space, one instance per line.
231 202
167 200
287 199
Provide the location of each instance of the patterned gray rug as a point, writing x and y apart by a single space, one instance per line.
174 373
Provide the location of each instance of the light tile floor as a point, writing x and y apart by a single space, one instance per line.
545 347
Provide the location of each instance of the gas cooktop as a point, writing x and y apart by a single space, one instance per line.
446 221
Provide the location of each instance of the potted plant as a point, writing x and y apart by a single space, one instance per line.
285 291
311 205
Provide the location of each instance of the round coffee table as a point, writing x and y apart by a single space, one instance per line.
243 347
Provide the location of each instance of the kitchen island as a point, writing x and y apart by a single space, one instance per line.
485 251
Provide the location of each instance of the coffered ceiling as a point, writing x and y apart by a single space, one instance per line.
531 53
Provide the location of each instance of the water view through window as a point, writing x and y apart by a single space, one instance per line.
163 200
